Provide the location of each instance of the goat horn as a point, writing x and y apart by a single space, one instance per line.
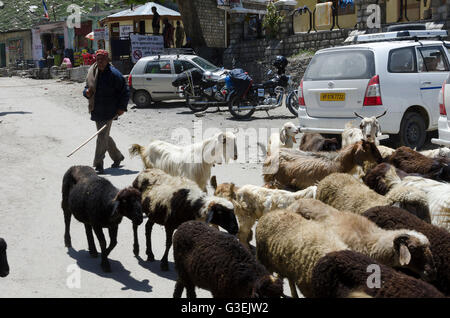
358 115
381 114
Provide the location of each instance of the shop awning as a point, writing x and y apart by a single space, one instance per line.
144 10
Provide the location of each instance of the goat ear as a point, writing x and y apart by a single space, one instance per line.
210 216
405 256
283 135
401 246
213 182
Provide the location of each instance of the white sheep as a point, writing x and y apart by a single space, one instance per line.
396 248
251 202
285 139
192 161
437 194
442 152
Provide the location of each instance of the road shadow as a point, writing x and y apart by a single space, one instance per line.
118 272
119 172
14 113
163 105
263 118
155 268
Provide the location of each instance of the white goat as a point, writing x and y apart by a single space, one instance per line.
285 139
369 129
192 161
443 152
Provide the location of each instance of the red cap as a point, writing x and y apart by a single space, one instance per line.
102 52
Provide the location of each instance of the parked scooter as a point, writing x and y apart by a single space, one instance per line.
246 97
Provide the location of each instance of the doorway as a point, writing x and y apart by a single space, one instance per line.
2 55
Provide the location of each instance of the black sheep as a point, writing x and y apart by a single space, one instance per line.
393 218
94 201
346 273
218 262
4 267
375 177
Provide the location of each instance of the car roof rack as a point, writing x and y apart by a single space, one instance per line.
178 51
399 35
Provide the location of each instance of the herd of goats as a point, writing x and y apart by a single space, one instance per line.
326 215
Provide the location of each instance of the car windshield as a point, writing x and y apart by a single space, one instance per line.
204 64
344 64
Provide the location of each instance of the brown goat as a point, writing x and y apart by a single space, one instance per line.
316 142
299 170
412 161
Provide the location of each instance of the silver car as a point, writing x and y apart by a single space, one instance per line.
151 78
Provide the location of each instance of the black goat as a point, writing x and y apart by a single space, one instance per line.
94 201
4 267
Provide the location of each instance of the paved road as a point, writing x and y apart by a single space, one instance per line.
40 123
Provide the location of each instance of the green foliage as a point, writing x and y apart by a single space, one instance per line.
272 21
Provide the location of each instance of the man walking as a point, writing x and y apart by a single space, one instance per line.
108 95
179 35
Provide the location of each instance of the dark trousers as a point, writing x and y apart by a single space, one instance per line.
105 144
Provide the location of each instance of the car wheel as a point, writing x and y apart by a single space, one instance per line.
142 99
412 131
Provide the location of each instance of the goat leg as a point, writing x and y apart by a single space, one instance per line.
67 217
293 288
113 238
178 289
90 239
101 238
164 260
136 241
148 237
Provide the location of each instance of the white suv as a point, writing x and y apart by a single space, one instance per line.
402 77
151 78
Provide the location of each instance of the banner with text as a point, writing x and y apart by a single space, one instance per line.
145 45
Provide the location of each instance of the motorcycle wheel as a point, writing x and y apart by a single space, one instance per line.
234 108
195 108
292 103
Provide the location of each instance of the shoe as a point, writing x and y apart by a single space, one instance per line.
116 164
99 170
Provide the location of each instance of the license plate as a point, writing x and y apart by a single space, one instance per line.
332 97
260 92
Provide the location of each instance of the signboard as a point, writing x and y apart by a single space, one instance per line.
99 34
125 30
145 45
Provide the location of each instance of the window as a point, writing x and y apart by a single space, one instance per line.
342 64
205 64
432 59
158 67
181 66
402 60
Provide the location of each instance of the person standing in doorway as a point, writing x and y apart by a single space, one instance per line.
179 35
156 21
108 95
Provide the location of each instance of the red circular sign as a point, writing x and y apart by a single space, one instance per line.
137 54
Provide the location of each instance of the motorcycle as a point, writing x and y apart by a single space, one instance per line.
203 91
265 96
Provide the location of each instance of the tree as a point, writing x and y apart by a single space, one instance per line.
272 21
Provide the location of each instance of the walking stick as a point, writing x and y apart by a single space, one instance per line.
89 139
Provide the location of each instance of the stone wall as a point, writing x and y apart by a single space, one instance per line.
256 56
204 23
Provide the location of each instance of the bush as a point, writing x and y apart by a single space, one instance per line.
272 21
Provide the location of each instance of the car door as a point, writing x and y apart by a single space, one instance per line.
433 70
158 75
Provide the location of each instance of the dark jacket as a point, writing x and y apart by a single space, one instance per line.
112 94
